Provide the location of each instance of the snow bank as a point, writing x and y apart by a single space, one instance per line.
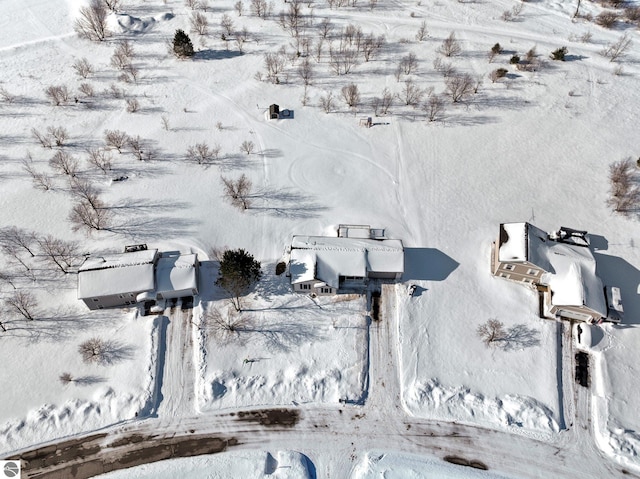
460 404
245 464
405 466
614 370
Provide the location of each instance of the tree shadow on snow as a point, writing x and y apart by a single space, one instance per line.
286 203
215 54
519 337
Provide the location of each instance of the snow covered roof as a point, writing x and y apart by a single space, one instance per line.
119 259
570 267
575 282
328 258
116 274
176 273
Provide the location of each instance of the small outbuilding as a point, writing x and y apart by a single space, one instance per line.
274 112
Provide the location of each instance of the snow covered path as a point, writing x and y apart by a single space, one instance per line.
178 383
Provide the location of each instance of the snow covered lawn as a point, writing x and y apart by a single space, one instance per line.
38 406
448 373
286 348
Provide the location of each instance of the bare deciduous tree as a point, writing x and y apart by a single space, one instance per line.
327 102
6 96
59 134
260 8
275 64
60 253
434 107
411 93
450 46
22 303
85 216
133 105
202 153
224 328
386 101
291 19
241 37
58 94
113 5
64 163
247 147
137 147
19 238
305 70
239 7
237 192
44 139
199 23
446 68
491 331
65 378
342 60
40 180
100 158
624 194
87 90
116 139
409 63
606 19
370 45
83 68
459 86
92 21
85 191
617 50
93 350
351 95
422 32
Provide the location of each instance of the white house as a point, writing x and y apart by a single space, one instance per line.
116 279
137 276
326 265
559 265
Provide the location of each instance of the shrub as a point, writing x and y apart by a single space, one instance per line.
606 19
559 54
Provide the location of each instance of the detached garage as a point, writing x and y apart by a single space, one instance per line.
176 275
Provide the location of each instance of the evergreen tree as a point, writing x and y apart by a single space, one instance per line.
238 272
182 45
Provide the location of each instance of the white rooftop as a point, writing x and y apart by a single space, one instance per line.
571 269
328 258
176 273
114 260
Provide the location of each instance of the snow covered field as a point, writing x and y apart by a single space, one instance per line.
534 146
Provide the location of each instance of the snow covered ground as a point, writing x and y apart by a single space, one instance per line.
535 147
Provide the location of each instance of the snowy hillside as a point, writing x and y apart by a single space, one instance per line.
533 145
